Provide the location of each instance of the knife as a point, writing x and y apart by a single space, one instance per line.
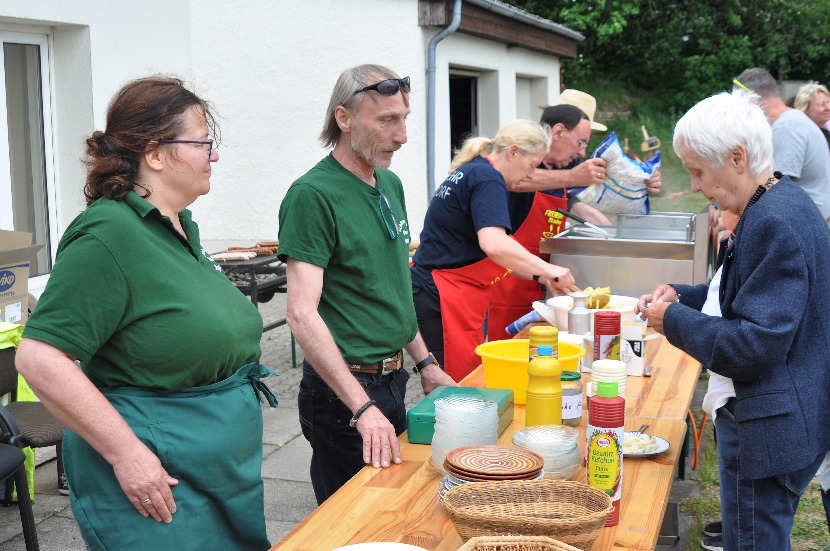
582 221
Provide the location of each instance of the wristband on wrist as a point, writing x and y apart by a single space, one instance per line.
358 413
536 278
429 360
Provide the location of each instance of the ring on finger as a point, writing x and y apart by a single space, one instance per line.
143 501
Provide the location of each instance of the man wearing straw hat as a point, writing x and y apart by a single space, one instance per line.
565 159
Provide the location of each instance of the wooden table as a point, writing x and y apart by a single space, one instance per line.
400 504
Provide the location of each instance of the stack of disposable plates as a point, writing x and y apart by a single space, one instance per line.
487 463
557 444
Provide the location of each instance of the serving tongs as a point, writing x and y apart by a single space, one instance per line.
584 222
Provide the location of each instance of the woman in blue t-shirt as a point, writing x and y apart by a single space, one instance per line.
466 247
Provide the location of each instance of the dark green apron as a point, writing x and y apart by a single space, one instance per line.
210 439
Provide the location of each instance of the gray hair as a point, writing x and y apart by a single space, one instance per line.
759 81
717 125
349 82
806 94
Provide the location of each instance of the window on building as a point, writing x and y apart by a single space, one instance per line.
27 195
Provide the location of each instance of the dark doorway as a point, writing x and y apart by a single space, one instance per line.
463 109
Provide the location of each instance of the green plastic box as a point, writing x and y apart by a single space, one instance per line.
421 418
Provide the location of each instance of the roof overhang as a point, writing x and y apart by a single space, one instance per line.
494 20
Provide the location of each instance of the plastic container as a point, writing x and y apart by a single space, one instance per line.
604 444
571 398
556 444
505 364
544 389
543 334
606 335
609 370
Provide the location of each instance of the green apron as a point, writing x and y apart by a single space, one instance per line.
210 439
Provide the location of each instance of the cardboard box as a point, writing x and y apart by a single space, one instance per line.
633 348
16 252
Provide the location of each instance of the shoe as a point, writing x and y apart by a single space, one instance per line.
63 487
713 529
712 544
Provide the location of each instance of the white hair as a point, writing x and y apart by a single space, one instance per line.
717 125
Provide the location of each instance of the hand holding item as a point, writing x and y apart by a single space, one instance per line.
661 293
147 484
655 183
380 443
589 173
654 314
558 281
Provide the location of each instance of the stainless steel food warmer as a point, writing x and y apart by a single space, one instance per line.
639 252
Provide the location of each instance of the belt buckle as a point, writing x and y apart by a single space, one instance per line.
383 364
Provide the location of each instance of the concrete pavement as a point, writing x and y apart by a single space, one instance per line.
286 456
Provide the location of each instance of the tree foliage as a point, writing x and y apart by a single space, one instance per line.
684 50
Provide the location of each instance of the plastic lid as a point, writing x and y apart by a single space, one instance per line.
607 389
571 376
544 350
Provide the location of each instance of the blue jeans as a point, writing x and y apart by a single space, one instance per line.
757 514
337 448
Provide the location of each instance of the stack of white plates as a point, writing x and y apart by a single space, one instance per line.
557 444
609 370
462 421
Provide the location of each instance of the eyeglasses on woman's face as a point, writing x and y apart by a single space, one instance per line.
208 143
388 87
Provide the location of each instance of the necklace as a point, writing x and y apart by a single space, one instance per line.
752 200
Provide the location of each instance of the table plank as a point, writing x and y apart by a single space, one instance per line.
400 504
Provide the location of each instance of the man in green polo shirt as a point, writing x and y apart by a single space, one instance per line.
345 237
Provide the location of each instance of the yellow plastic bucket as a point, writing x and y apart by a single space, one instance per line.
505 363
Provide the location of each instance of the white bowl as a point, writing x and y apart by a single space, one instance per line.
562 305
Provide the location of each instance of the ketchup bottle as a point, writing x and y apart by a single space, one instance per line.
604 444
606 335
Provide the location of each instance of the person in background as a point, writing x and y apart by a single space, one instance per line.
799 149
772 435
345 237
534 216
466 245
814 100
164 445
571 170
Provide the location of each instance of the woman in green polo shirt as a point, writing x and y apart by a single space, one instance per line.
163 423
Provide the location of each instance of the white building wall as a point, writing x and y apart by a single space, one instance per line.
269 68
97 45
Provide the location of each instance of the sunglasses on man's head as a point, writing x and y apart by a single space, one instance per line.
388 87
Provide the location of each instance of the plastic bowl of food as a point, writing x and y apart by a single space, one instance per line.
618 303
505 363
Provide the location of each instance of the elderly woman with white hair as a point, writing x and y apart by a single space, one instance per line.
814 100
774 331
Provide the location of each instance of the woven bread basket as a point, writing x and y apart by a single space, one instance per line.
515 543
572 512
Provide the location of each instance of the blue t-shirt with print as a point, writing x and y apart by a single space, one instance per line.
473 197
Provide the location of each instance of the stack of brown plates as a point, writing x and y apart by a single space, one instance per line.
492 462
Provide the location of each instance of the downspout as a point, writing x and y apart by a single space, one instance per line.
433 44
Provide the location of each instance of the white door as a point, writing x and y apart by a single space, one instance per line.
27 194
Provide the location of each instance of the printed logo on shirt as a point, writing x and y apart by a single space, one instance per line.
444 190
403 229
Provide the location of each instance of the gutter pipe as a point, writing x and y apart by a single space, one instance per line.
433 44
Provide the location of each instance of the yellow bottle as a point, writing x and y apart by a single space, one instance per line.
544 389
543 334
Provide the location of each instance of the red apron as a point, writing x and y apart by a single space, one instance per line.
466 292
513 297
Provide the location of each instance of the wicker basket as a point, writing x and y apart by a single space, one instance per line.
569 511
515 543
